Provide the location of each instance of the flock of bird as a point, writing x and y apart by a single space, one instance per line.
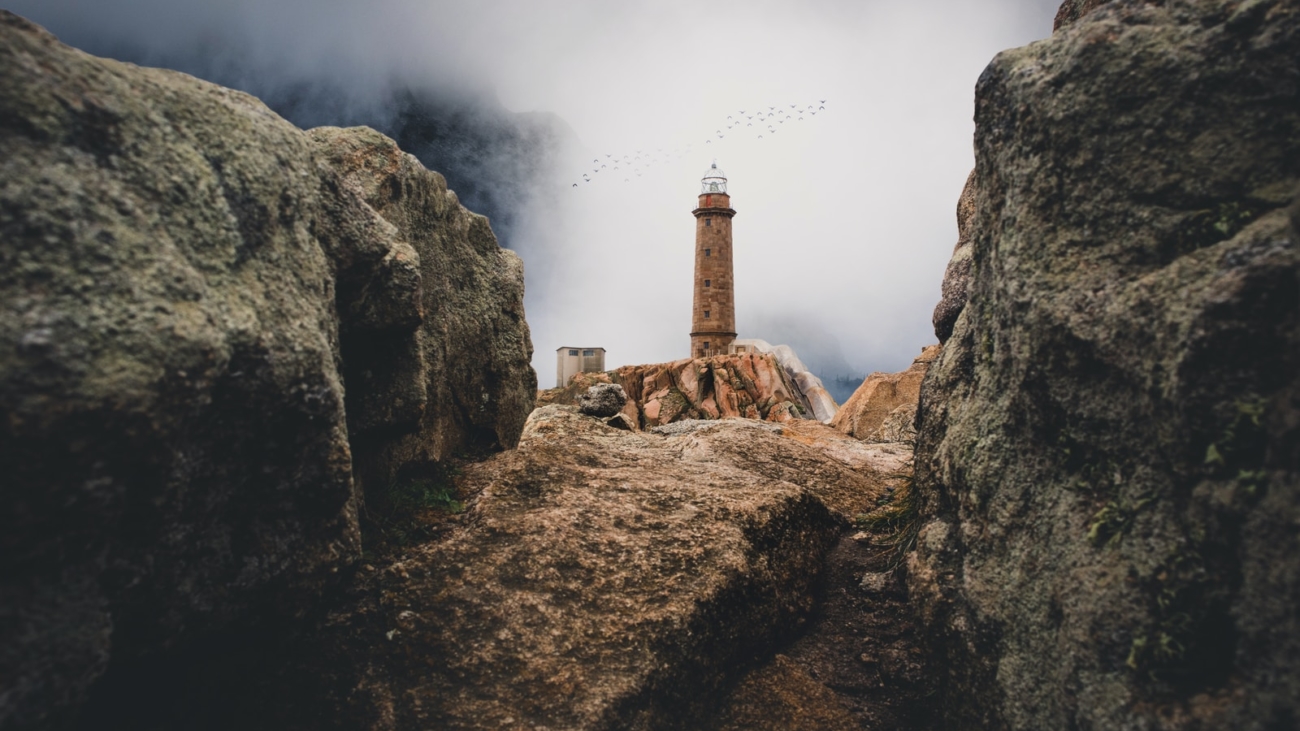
757 123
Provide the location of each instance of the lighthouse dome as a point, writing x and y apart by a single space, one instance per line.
715 181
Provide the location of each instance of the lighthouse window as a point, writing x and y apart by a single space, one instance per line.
708 282
706 314
708 252
573 352
708 222
706 345
588 353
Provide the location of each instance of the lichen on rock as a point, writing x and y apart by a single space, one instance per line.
1090 557
213 324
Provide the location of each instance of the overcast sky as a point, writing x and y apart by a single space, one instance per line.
845 219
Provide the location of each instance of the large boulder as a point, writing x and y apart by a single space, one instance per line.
602 399
600 579
884 406
455 376
190 286
1109 447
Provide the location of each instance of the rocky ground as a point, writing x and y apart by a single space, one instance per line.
601 578
858 665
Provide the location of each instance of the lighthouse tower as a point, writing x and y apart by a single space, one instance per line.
713 319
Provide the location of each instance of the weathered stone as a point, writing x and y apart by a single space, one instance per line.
621 421
816 401
184 275
878 411
750 385
956 279
602 399
1108 442
600 579
783 697
1072 10
466 367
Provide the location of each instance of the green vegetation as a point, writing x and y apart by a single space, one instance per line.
407 509
1114 520
898 517
1239 451
1190 640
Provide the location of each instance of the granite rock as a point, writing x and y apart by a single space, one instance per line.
1107 448
599 579
190 286
602 399
879 410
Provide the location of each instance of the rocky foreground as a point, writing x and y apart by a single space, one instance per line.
598 579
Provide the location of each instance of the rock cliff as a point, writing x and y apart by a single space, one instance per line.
190 286
1108 443
883 408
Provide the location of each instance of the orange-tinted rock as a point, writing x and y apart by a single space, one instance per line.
747 385
866 412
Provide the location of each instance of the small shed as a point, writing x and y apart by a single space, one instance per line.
570 361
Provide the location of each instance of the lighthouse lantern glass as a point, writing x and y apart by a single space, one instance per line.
715 181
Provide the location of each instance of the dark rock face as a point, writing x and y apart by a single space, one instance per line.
1108 442
444 366
602 399
187 284
956 279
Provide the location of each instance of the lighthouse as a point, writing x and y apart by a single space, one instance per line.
713 317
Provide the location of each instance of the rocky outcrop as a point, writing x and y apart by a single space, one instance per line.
956 279
1108 442
818 401
750 385
600 579
884 406
190 286
458 377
